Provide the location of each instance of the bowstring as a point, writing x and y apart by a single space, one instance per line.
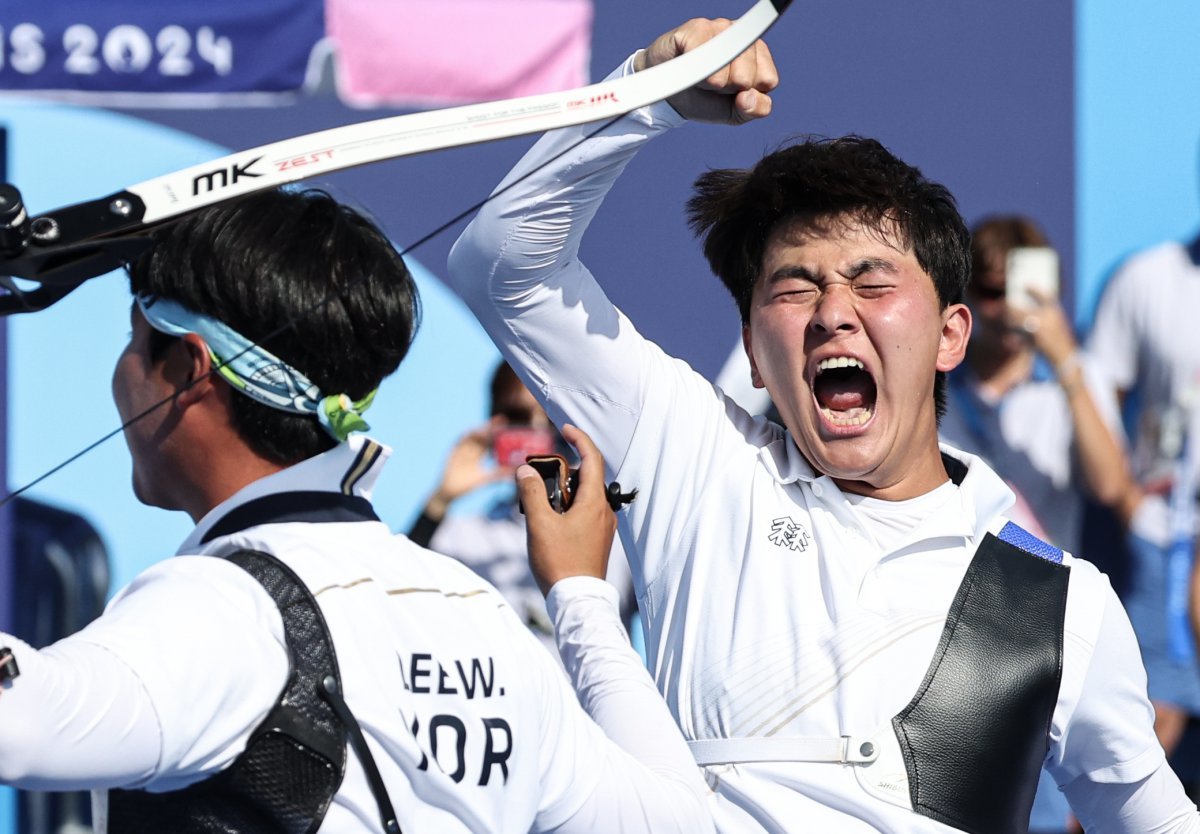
315 307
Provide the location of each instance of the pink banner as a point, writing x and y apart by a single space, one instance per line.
438 52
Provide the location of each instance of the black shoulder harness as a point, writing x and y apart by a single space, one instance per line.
294 762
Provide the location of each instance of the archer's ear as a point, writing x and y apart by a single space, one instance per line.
193 366
956 332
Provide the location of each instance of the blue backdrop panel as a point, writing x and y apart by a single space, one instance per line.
5 511
168 46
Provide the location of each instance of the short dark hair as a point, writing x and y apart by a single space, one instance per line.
735 211
313 281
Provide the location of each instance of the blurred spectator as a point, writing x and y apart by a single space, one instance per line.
1146 340
492 543
1027 402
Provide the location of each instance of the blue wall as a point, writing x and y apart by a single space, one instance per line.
1139 132
6 797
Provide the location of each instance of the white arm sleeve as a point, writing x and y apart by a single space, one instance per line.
1108 761
1155 805
1109 736
642 777
517 268
160 691
76 718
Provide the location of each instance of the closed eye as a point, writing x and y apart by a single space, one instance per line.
794 295
791 283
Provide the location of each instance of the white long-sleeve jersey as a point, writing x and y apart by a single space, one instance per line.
777 606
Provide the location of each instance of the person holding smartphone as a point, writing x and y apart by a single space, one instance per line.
1026 399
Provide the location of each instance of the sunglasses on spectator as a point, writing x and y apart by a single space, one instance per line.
988 293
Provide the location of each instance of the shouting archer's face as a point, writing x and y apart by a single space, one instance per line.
846 333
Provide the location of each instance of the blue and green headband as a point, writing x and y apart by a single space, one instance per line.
256 372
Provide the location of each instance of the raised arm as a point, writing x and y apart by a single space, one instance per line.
1100 455
644 776
517 263
517 267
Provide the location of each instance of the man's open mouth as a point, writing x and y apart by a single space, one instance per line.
844 391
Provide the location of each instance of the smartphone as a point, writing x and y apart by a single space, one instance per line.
1030 267
512 444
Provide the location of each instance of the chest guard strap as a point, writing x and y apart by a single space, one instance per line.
975 735
294 762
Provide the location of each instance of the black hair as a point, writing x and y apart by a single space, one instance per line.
311 280
818 180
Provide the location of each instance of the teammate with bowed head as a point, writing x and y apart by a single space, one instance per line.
297 667
849 631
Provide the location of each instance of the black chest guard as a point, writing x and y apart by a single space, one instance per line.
976 733
293 763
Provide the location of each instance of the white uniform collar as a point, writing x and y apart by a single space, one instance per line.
985 496
350 468
783 460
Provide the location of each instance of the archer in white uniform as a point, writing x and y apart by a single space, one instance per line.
796 580
471 725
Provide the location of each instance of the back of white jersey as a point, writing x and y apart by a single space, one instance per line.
454 695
